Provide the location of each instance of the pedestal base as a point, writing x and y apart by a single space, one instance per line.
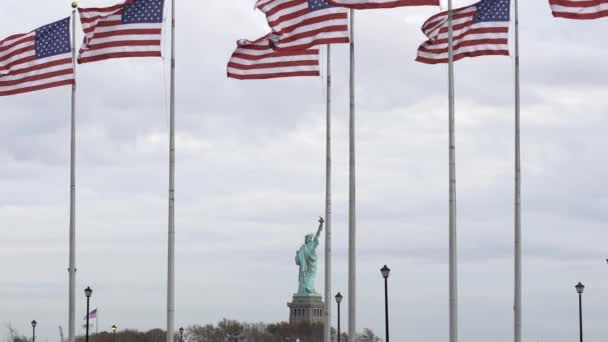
310 309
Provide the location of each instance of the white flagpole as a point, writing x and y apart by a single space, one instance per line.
328 297
352 224
452 187
96 323
517 295
171 237
72 268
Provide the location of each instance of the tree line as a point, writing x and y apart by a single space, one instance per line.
224 331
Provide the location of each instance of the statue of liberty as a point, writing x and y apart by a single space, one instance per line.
306 258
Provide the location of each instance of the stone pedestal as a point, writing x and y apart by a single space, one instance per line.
308 309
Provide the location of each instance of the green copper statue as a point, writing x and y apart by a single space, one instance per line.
306 258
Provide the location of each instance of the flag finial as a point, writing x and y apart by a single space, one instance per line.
74 4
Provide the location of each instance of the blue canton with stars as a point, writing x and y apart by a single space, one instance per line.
315 5
53 39
143 11
492 10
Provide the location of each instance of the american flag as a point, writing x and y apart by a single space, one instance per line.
579 9
130 29
481 29
92 314
372 4
254 60
36 60
300 24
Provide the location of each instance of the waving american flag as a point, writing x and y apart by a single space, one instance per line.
300 24
479 30
579 9
36 60
92 314
371 4
130 29
254 60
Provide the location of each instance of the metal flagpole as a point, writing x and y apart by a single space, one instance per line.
452 219
327 322
72 268
96 324
171 238
517 295
352 224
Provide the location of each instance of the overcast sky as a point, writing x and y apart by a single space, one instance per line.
250 181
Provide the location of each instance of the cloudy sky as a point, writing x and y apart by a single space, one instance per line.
250 181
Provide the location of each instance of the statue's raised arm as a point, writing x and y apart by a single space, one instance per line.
321 221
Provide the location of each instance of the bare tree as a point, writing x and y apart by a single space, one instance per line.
368 336
12 335
207 333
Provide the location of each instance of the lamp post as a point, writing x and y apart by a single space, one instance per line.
114 332
338 300
87 292
181 334
385 273
34 330
579 289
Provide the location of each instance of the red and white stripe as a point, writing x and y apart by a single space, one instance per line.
298 28
373 4
470 39
107 37
579 9
22 72
254 60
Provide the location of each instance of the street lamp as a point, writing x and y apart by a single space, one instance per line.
114 332
338 300
579 289
385 273
34 330
181 334
88 292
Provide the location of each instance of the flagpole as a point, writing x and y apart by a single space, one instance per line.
517 295
352 224
171 237
328 302
72 267
452 188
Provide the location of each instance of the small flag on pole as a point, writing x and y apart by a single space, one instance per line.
301 24
92 314
579 9
373 4
254 60
481 29
37 60
130 29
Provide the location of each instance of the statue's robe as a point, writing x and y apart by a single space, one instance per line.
306 258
